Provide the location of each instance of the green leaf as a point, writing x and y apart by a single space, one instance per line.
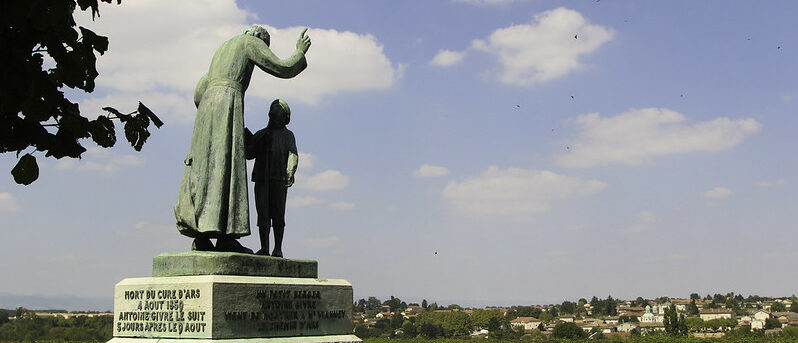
102 131
146 111
26 171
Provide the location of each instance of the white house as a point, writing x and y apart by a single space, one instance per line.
528 323
715 313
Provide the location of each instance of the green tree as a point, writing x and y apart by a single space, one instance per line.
430 330
772 323
360 306
692 308
394 303
640 302
568 307
35 112
397 320
778 307
695 324
790 331
373 304
424 303
3 317
409 329
794 307
568 330
695 296
363 331
527 311
481 318
671 321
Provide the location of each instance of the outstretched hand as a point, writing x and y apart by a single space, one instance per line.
303 43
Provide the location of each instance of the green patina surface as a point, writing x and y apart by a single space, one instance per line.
228 263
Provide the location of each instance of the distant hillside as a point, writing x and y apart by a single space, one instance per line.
62 302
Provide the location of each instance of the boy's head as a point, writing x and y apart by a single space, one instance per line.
279 112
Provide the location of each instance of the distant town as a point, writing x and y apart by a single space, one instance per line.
696 316
718 315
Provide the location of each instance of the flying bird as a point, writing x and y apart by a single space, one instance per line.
572 97
575 36
519 106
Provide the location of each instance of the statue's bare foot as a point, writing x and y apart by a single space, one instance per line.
277 253
231 245
202 244
263 252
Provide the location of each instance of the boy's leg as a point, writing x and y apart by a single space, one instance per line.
278 241
262 206
264 240
277 197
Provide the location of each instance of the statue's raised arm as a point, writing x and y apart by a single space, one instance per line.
258 51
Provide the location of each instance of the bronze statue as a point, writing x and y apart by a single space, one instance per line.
213 201
276 160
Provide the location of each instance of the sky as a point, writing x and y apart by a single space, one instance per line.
479 152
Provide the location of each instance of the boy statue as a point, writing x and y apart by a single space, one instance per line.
276 160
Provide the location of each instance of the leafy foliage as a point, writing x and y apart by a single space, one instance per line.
778 307
568 330
29 327
34 111
675 324
606 307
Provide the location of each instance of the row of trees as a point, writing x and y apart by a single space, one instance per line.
29 327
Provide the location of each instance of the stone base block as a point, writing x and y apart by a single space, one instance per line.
230 263
232 308
305 339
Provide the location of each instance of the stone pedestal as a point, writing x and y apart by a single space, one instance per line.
201 300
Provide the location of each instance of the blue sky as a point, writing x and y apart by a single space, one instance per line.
459 151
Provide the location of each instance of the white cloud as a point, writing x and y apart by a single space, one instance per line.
341 206
718 193
544 49
447 58
515 192
324 181
303 201
338 61
97 159
771 184
306 161
324 242
173 50
8 203
645 221
634 137
427 170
